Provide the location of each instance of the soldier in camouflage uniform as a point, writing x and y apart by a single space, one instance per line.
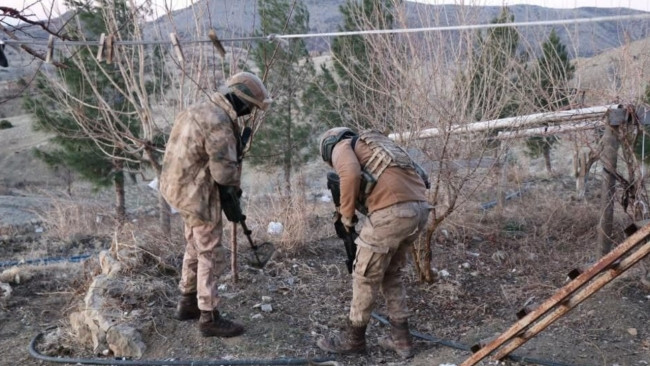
202 162
380 177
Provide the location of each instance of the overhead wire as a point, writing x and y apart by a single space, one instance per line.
272 37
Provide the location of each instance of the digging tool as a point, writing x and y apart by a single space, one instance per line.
229 196
261 253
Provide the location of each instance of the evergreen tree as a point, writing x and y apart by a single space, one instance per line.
351 92
285 139
492 78
96 158
554 71
642 147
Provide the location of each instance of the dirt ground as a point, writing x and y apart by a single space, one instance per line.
490 264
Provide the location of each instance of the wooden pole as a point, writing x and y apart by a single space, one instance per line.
233 256
503 177
609 159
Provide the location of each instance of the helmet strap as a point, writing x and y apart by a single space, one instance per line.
240 106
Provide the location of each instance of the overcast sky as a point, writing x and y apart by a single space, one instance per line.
41 7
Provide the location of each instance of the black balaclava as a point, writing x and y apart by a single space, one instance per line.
241 107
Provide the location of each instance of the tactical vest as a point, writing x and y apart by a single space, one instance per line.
385 153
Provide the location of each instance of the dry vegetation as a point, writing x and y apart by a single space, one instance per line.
485 264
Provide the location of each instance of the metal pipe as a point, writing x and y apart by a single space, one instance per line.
548 130
572 115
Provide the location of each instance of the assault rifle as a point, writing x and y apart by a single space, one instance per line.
334 185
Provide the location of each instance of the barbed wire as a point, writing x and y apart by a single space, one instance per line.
272 37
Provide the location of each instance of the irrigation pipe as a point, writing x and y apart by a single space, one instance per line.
89 361
464 347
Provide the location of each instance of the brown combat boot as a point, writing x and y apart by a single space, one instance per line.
351 340
211 324
399 340
187 308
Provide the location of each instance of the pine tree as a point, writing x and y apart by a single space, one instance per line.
642 147
285 139
554 70
491 78
351 91
96 158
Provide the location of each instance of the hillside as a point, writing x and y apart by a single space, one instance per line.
619 74
239 18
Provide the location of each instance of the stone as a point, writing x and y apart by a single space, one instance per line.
5 290
125 341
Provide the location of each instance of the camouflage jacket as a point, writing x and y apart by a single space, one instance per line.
203 150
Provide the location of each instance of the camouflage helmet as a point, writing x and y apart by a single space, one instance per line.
330 138
250 88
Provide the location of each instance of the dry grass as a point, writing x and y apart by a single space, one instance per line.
303 220
67 219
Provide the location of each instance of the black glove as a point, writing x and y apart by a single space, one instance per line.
349 223
229 197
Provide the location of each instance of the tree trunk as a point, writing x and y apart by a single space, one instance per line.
503 178
422 254
164 216
164 211
288 155
120 208
547 157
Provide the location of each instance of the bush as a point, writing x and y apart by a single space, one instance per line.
4 124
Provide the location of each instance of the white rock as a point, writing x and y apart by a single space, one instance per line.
222 287
465 265
275 228
267 308
444 273
5 289
266 298
257 316
154 184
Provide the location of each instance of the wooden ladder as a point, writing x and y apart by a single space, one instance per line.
582 285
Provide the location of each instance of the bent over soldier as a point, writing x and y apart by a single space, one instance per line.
202 163
380 179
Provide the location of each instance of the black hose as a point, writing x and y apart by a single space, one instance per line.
88 361
280 361
464 347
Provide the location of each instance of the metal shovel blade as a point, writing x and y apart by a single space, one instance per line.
261 255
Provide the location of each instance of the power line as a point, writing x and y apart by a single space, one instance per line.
272 37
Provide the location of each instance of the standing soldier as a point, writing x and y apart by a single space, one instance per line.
201 176
380 179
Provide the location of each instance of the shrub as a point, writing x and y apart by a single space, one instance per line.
4 124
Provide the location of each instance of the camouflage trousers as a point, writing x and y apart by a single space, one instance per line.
382 248
204 260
